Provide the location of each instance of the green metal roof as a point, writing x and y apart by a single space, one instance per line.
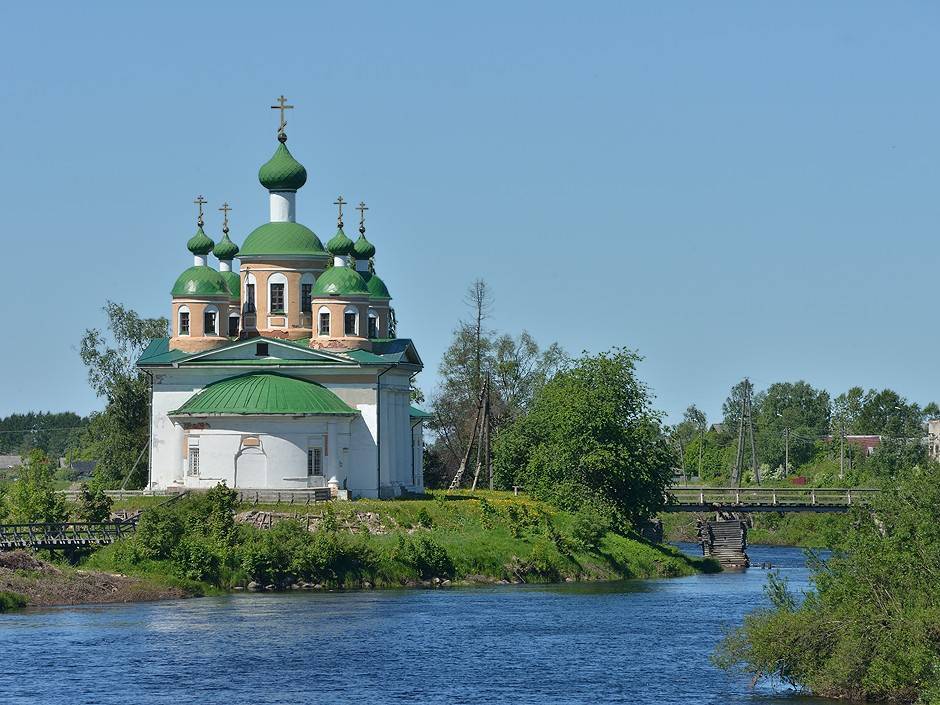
340 245
376 287
200 280
282 172
234 283
226 249
282 239
363 249
200 243
263 393
417 413
340 281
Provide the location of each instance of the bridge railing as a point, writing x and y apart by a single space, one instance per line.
780 496
64 533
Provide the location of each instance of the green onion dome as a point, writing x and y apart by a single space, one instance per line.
340 281
234 283
200 243
226 249
340 245
363 249
282 239
282 172
201 281
377 288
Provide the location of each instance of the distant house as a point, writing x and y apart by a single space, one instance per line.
933 439
867 443
717 428
10 461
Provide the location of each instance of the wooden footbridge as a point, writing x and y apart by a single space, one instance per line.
745 500
67 535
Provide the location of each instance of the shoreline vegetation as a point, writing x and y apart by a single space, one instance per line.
207 543
799 530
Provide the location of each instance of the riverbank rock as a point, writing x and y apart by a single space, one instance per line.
253 586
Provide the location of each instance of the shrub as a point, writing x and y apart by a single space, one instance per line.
590 524
32 498
489 512
159 531
425 556
424 518
93 504
197 558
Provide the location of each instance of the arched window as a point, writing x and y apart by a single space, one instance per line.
323 321
233 325
210 321
350 321
373 323
182 326
306 293
249 297
277 293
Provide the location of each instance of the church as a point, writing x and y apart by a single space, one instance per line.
288 373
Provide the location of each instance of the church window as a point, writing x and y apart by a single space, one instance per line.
373 324
306 296
210 320
249 298
277 298
314 462
184 322
193 462
233 326
349 322
324 322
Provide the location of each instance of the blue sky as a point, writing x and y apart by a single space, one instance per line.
730 188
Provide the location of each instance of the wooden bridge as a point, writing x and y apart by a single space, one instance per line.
75 534
766 499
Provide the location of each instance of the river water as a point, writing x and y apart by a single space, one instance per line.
630 642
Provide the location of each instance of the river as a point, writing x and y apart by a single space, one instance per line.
630 642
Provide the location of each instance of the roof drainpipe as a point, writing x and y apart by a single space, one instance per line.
378 432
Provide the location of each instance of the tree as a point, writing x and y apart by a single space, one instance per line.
93 504
794 412
32 497
117 436
480 301
590 436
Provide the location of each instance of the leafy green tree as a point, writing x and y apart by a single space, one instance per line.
93 504
32 497
887 413
590 435
793 408
116 436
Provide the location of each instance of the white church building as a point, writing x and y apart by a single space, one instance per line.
287 374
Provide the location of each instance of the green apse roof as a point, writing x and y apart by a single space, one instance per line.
416 413
340 245
340 281
201 280
282 239
265 393
234 283
200 243
363 249
226 249
282 172
377 288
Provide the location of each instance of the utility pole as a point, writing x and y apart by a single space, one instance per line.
747 419
842 451
786 451
701 449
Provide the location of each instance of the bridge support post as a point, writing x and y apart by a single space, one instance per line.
726 542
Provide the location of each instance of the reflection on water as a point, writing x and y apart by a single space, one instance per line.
629 642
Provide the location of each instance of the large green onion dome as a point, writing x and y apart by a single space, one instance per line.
363 249
234 283
282 172
340 281
377 288
200 243
225 249
201 281
282 239
340 245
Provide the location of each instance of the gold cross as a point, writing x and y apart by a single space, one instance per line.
340 202
225 209
200 201
282 106
362 208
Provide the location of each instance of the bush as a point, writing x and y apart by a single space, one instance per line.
159 532
590 524
197 558
424 518
425 556
93 504
32 498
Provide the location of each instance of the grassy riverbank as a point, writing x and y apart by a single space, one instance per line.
443 538
803 529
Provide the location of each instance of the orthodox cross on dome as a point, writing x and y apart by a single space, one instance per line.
362 208
200 201
340 202
282 106
225 209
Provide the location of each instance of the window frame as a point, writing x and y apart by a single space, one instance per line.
351 311
324 311
183 311
314 461
214 329
281 289
193 468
